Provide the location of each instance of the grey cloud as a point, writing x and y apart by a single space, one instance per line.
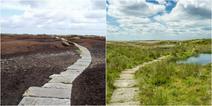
98 4
31 3
198 12
206 28
137 9
95 14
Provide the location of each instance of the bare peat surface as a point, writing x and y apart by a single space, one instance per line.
89 87
28 60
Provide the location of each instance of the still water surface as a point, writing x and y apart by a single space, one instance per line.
199 59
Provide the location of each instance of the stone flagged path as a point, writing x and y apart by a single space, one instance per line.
58 90
126 92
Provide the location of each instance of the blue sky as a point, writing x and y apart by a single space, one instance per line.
53 16
10 12
158 19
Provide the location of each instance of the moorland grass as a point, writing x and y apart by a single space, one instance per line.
168 83
123 55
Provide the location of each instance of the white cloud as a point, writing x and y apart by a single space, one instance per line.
54 16
129 8
190 18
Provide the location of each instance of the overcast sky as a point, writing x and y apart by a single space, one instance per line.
53 16
158 19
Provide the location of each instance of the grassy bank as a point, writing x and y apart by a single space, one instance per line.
123 55
167 83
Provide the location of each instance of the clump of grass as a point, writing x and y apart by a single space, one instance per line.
167 83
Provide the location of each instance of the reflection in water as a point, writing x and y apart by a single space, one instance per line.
200 59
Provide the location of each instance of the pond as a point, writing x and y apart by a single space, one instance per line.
199 59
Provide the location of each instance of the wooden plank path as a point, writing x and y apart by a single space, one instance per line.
126 92
58 90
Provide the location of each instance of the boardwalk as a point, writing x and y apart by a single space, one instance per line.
58 90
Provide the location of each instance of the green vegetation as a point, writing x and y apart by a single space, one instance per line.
123 55
167 83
